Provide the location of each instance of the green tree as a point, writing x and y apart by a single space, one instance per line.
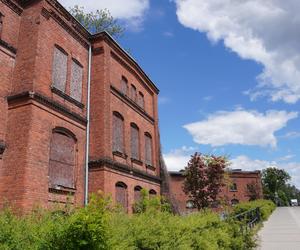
274 183
98 21
204 178
253 191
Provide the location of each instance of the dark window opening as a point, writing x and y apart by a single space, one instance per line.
118 132
233 187
152 193
234 202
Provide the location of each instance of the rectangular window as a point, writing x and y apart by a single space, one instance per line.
141 101
76 81
1 24
118 133
133 93
148 149
124 85
135 152
59 69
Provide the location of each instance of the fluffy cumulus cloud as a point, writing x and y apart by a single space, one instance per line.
240 127
264 31
177 159
245 163
131 11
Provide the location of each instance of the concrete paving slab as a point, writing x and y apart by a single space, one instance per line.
281 231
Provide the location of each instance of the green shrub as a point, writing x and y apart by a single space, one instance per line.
266 207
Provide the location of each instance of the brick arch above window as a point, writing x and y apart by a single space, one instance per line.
152 192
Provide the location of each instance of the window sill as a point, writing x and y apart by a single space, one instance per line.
62 190
136 161
67 97
150 167
120 154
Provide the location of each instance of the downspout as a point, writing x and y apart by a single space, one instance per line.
86 190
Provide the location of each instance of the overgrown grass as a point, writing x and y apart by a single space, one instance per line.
102 226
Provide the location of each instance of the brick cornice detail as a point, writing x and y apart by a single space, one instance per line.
107 162
13 6
132 104
47 102
73 29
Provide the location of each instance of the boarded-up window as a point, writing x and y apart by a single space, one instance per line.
148 149
141 101
76 81
124 85
59 69
118 133
121 195
135 142
133 93
62 160
137 193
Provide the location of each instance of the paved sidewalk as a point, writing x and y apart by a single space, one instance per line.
281 231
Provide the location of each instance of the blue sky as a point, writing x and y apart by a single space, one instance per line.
228 73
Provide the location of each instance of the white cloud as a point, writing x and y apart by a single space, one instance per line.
240 127
245 163
177 159
131 11
291 135
264 31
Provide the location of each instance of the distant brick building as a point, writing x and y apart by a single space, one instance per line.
44 66
233 193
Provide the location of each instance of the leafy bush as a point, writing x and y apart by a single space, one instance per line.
266 207
100 226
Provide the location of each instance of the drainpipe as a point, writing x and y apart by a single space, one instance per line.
86 190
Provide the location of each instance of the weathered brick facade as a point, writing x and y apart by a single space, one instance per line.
44 62
234 192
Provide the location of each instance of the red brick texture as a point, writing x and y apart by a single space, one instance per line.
31 109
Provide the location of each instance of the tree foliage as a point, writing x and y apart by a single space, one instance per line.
98 21
253 191
275 185
204 178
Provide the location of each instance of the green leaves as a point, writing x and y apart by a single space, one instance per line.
98 21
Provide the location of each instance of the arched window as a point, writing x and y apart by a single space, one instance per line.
133 93
135 141
152 193
121 195
124 85
118 132
234 202
233 187
137 193
62 158
141 101
148 149
59 68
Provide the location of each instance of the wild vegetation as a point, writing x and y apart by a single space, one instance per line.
101 225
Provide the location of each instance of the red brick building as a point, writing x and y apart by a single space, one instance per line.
233 193
50 68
